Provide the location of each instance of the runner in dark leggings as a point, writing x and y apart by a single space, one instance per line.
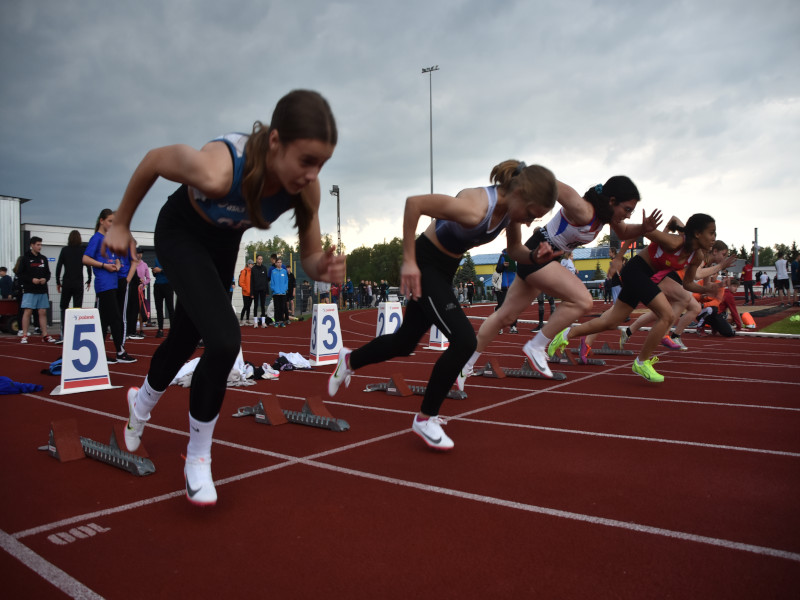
232 183
475 216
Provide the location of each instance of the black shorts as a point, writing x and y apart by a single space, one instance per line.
539 236
637 285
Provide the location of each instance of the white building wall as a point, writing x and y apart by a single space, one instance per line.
10 238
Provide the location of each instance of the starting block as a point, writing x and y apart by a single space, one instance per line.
66 445
397 386
493 369
313 413
606 349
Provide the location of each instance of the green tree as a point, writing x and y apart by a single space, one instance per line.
598 272
766 257
743 254
276 245
386 261
466 272
359 264
605 240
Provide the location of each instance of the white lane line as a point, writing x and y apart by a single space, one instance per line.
46 570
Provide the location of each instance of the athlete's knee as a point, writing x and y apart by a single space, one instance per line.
585 303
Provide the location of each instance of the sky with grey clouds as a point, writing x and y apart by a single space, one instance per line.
698 102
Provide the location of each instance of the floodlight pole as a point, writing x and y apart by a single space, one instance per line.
335 192
430 71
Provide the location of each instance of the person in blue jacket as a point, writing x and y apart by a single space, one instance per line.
279 285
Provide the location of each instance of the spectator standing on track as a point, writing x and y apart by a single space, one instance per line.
162 295
290 290
323 291
259 281
748 282
566 262
765 287
247 298
6 284
127 295
470 292
540 301
782 278
71 285
34 272
143 273
348 294
234 182
105 264
279 285
795 278
508 272
476 216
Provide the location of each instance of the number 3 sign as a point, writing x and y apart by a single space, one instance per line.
83 362
326 335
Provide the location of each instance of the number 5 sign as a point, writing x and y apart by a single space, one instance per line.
83 362
326 335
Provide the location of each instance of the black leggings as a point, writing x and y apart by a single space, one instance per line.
200 259
260 299
162 294
110 317
437 306
70 291
281 312
246 302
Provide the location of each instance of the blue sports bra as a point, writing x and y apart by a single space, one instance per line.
457 239
230 211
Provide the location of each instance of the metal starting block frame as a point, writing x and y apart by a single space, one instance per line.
493 369
66 445
397 386
569 358
313 414
606 349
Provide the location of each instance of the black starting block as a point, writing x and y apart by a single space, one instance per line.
606 349
313 414
66 445
397 386
493 369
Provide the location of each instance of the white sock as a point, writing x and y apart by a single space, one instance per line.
146 400
473 359
200 436
540 340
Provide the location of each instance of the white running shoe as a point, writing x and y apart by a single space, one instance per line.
431 432
466 371
135 427
200 488
341 373
680 343
623 339
255 323
538 358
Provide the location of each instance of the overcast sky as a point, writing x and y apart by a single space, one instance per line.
697 101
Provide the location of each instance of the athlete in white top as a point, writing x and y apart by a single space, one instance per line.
578 222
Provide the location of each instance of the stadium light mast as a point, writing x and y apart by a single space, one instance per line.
335 192
430 71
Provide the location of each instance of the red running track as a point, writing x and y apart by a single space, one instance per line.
601 485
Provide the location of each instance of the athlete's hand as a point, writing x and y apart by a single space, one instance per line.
332 267
410 280
119 240
652 222
544 254
727 262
